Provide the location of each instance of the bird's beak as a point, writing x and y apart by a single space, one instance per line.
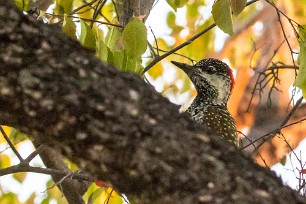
188 69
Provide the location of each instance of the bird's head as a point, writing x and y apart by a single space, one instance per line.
211 78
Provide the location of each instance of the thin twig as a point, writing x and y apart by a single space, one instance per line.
263 73
85 19
97 11
23 168
264 161
11 144
34 154
272 133
83 6
159 58
291 21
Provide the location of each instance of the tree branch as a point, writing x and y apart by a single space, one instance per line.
115 126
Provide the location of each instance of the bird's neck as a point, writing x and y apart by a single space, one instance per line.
203 101
211 96
212 91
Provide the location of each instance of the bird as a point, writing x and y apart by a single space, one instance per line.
214 82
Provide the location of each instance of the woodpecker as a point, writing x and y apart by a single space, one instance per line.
214 82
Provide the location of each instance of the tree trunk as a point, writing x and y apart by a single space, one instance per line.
115 126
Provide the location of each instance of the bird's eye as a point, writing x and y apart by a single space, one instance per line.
211 69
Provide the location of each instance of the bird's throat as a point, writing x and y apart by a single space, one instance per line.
211 96
211 89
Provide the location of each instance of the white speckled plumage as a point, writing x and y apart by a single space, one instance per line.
213 81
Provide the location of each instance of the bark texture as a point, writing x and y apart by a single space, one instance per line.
115 126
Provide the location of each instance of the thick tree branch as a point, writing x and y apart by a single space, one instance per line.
115 126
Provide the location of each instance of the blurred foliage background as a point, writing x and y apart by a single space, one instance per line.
262 49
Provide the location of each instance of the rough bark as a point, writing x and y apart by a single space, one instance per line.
72 189
115 126
126 9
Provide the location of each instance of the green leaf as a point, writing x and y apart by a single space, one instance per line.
31 198
101 48
187 85
93 197
301 77
133 64
113 39
9 198
63 6
156 71
175 4
22 4
69 27
283 160
171 19
20 177
15 135
87 37
221 13
237 6
116 58
135 38
5 161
